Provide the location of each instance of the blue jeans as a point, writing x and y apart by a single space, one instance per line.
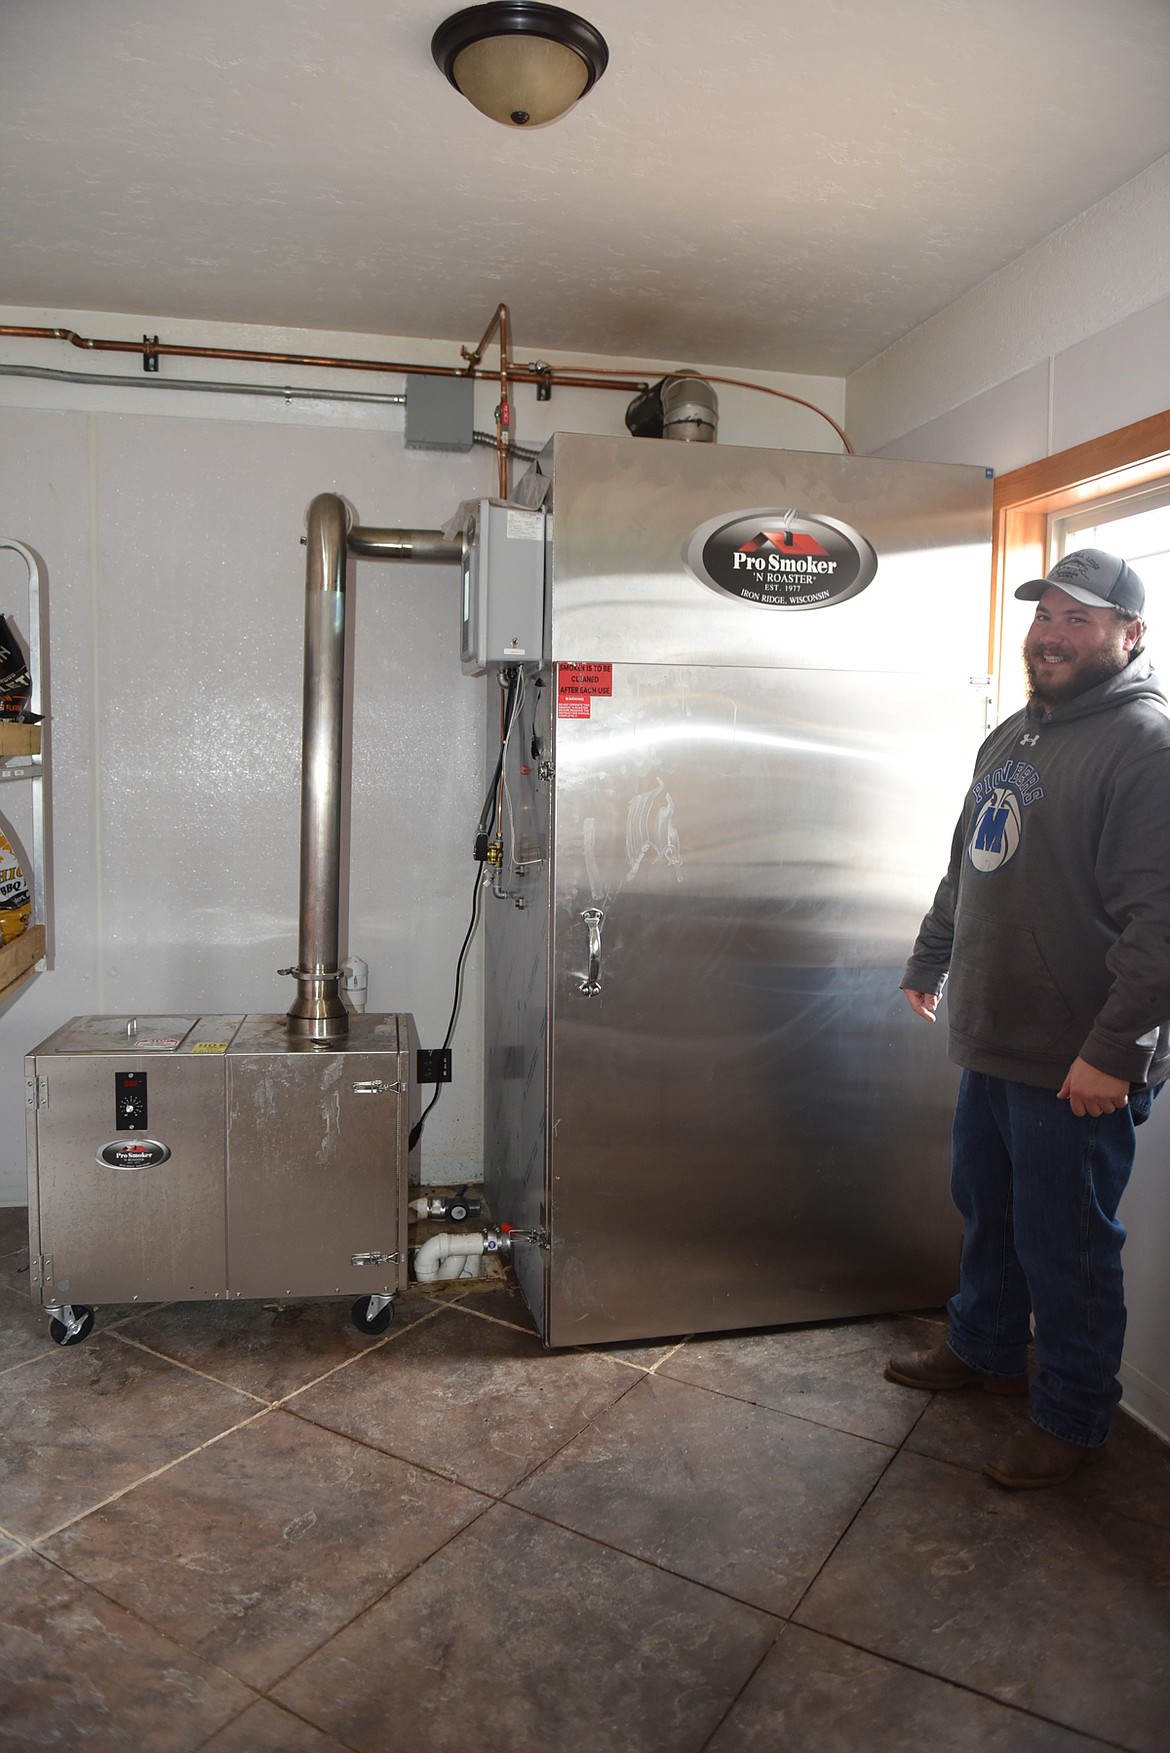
1038 1190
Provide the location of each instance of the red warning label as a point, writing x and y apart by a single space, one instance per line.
577 686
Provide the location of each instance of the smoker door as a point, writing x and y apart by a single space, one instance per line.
748 1126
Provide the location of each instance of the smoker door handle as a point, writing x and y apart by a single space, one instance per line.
591 985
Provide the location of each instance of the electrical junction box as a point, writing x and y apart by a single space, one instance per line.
439 412
503 586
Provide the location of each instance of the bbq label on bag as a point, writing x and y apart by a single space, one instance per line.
15 900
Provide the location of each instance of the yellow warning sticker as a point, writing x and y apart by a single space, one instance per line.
210 1047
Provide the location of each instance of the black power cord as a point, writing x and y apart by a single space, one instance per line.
482 832
484 825
416 1129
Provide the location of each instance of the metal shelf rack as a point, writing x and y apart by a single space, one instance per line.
24 759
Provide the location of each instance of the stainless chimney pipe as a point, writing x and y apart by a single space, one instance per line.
318 1011
415 545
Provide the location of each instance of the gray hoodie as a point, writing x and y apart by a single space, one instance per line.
1053 919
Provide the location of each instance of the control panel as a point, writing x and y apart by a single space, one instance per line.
130 1101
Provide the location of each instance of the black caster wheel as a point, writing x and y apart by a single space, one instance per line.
367 1322
76 1330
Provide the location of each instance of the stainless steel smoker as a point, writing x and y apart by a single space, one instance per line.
729 792
188 1158
194 1157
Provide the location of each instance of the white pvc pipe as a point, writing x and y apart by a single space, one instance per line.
446 1256
355 981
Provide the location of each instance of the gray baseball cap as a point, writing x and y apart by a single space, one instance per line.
1092 576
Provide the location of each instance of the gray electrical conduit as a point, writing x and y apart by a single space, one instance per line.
208 387
385 398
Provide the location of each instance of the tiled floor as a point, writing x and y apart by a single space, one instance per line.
252 1529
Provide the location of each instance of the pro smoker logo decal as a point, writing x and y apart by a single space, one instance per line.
133 1153
781 559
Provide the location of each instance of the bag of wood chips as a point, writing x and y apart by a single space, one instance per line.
15 900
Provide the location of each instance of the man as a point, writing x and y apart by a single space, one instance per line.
1053 924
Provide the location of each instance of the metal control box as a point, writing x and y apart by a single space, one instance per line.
439 412
503 586
194 1157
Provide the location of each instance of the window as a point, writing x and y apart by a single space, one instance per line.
1134 525
1111 493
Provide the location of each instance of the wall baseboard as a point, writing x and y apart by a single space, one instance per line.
1146 1401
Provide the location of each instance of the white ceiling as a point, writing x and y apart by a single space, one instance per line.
782 184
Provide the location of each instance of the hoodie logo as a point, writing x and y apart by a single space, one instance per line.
1030 742
1000 801
995 839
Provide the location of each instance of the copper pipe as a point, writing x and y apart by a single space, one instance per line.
162 349
601 379
503 409
476 354
574 380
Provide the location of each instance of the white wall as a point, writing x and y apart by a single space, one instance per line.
1067 342
1071 341
170 526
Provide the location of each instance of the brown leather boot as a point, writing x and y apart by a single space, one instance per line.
941 1368
1035 1457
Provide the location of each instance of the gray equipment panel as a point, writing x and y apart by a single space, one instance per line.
502 586
439 412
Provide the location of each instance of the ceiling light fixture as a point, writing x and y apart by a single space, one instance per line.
520 62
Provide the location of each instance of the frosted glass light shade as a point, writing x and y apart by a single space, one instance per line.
521 62
521 81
